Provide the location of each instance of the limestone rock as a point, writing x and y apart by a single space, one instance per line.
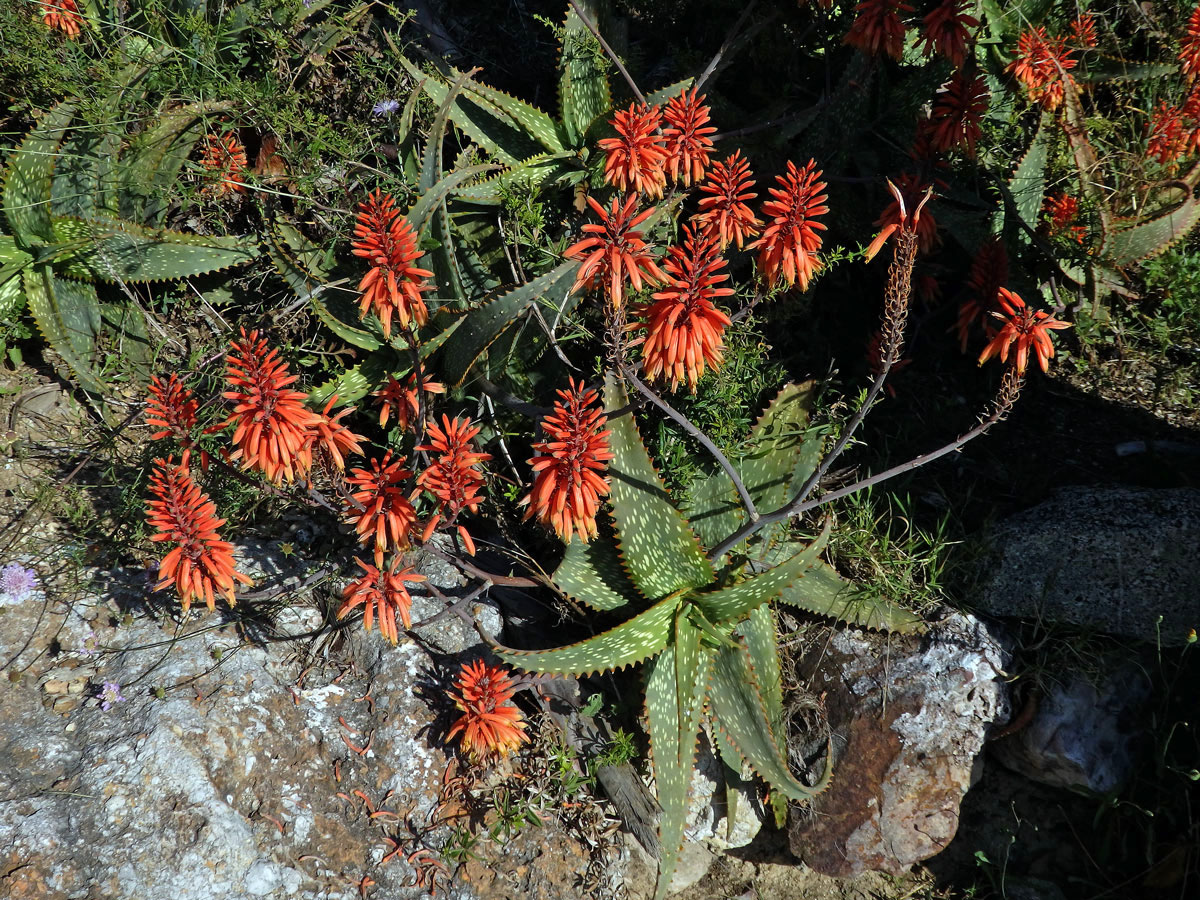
1083 734
909 717
1109 559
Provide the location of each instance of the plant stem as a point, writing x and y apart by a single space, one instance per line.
699 435
609 50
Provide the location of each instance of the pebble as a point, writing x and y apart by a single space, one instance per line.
55 686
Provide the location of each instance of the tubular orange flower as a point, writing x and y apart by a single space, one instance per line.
1083 31
636 157
1168 138
725 213
688 145
946 31
491 725
958 109
1025 327
1189 46
1061 211
393 285
274 426
172 407
453 477
683 328
62 15
1040 64
789 245
569 481
334 437
201 564
616 252
989 271
401 399
381 592
225 157
387 514
878 28
907 212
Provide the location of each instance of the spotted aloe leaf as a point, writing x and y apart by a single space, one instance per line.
675 688
631 642
13 260
592 573
823 592
1150 237
1027 185
740 712
533 173
732 603
67 314
779 456
583 91
659 549
27 183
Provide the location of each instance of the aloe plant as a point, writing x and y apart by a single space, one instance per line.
706 631
78 212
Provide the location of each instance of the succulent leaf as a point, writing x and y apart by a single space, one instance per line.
429 202
823 592
1028 182
583 92
532 120
535 172
354 383
27 183
67 314
660 551
731 603
1148 238
631 642
592 573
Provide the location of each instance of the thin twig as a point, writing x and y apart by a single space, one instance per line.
609 50
699 435
730 40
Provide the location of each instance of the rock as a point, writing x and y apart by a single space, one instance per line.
1109 559
707 815
1082 734
55 686
909 717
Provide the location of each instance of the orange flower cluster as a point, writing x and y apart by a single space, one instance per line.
684 329
906 209
1083 31
788 247
386 514
401 400
491 724
569 468
644 153
393 285
686 137
333 438
724 211
1174 131
173 408
275 430
453 476
1026 328
225 157
62 15
878 28
989 271
1189 46
958 109
1041 64
1061 211
201 564
383 593
946 30
615 253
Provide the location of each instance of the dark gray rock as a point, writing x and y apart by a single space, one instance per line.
1109 559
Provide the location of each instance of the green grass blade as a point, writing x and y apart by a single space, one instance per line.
27 184
659 550
592 573
629 643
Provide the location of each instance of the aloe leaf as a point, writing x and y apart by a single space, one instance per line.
1151 237
12 294
823 592
84 182
739 711
762 643
659 550
27 184
592 573
427 204
664 94
631 642
1113 68
125 251
1028 182
673 710
731 603
583 92
531 120
535 173
483 325
67 314
1091 175
354 383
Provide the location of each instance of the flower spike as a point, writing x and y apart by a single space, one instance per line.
453 476
491 724
393 285
615 253
724 211
636 157
386 514
788 247
383 593
688 145
1027 328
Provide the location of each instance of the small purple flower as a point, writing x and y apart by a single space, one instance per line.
88 648
17 582
110 694
385 107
